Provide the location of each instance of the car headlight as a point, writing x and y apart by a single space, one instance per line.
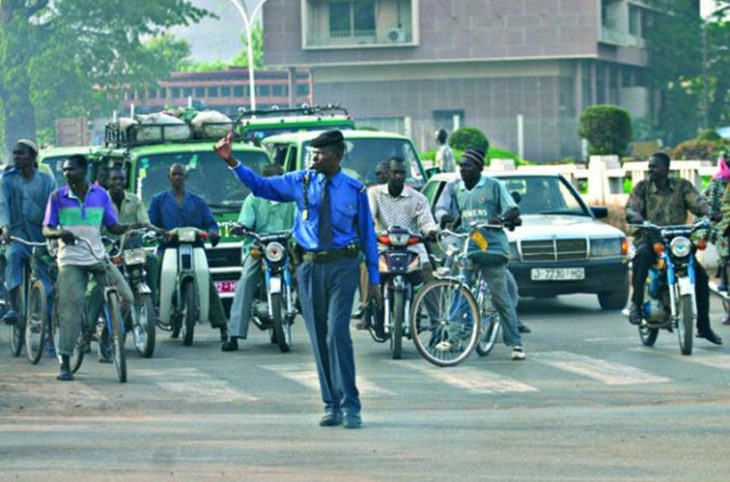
607 247
680 246
514 254
274 252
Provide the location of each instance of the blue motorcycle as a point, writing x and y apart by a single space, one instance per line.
670 288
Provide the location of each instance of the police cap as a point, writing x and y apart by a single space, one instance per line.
327 138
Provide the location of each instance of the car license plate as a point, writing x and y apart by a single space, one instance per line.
275 285
225 286
557 274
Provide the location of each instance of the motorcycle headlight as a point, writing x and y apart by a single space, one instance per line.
274 252
134 256
680 246
399 240
187 235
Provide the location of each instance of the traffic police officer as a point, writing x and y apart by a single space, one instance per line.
333 225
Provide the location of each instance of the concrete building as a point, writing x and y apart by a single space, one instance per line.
224 90
417 65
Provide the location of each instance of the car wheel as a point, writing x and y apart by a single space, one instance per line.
614 300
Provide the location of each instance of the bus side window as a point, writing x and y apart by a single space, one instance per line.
291 161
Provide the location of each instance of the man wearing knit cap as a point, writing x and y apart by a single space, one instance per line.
24 192
479 199
333 225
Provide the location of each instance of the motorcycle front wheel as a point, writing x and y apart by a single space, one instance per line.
278 321
398 315
144 325
190 312
648 335
685 324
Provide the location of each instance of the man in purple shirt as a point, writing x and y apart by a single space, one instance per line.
78 210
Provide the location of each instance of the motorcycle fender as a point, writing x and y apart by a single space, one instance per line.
168 284
685 286
275 284
202 276
143 289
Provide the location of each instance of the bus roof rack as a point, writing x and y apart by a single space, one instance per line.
305 109
150 134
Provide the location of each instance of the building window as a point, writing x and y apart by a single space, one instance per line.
139 95
176 92
238 91
352 19
264 90
200 92
225 91
302 89
187 92
163 92
635 21
152 94
212 91
279 90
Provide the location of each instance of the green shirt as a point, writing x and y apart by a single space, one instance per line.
264 216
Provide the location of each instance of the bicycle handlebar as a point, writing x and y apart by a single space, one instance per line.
26 242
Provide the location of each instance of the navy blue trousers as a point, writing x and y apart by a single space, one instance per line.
326 292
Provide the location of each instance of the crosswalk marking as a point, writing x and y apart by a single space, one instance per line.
306 375
710 358
195 385
471 379
604 371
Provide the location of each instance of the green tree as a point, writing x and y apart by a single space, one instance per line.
66 57
468 137
607 129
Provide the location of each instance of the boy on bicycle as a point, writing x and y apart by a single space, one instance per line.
484 200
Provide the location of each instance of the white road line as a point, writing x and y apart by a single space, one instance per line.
471 379
195 385
711 358
306 375
604 371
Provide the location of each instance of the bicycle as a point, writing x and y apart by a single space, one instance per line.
19 334
113 323
461 316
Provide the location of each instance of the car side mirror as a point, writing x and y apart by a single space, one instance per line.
431 171
600 212
516 196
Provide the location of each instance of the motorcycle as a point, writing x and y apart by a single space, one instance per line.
274 308
670 289
184 284
132 260
399 271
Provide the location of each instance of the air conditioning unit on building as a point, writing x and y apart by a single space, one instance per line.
397 35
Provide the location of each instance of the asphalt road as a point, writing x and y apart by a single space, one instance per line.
589 403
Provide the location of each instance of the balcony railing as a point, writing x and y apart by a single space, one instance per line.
620 39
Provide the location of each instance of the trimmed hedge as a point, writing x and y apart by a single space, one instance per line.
607 129
466 137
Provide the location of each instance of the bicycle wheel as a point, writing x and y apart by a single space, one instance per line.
17 329
36 321
445 322
490 325
117 332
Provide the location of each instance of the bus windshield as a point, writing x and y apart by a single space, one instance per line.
208 177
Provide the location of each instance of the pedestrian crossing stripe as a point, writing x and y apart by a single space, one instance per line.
196 386
604 371
471 379
306 374
711 358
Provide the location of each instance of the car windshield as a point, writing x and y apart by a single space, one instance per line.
363 155
208 176
545 195
257 134
56 165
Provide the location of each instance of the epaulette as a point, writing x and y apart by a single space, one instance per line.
356 184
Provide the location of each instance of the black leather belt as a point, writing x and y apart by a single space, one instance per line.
350 251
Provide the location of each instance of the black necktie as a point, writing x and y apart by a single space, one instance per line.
325 218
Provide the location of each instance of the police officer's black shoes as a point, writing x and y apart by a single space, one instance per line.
331 418
230 344
352 420
710 336
65 375
635 314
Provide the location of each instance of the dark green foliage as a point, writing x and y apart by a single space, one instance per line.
607 129
468 137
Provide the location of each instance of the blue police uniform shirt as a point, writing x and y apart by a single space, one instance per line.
166 213
351 218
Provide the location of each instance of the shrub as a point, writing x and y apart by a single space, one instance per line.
709 135
695 149
467 137
607 129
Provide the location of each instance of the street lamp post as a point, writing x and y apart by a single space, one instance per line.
248 24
